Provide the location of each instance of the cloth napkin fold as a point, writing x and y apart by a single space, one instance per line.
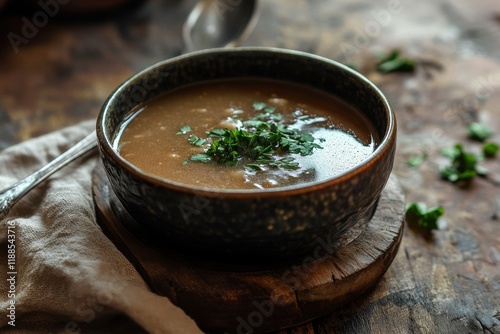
67 276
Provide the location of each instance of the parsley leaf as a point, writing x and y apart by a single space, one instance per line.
490 150
201 157
194 140
253 123
463 165
427 219
183 130
478 131
263 140
258 106
394 62
253 168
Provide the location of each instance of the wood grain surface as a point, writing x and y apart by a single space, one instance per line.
447 281
237 296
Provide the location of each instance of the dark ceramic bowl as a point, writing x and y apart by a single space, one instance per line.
253 223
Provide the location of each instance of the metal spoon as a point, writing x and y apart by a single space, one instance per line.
210 24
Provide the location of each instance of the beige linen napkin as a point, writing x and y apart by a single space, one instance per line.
69 277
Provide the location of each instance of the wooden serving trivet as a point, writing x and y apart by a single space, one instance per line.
229 298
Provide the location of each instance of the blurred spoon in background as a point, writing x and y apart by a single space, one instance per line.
215 23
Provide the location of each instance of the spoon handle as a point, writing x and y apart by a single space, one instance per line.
10 195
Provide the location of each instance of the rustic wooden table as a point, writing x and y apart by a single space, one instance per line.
447 281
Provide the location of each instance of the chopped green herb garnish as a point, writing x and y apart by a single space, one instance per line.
269 109
490 150
253 168
427 219
394 62
276 117
258 106
194 140
262 140
254 123
183 130
286 163
478 131
216 133
463 165
201 157
417 160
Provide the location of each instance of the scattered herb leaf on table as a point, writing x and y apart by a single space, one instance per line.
427 219
463 165
478 131
394 62
417 160
490 150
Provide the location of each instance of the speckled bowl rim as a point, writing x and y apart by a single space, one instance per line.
384 147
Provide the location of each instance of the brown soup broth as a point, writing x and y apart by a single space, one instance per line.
150 140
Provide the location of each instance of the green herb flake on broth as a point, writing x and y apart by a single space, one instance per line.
183 130
194 140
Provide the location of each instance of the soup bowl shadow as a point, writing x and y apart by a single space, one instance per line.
251 224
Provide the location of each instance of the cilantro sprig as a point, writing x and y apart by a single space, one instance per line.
194 140
261 140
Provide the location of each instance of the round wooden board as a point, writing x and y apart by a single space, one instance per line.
240 298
